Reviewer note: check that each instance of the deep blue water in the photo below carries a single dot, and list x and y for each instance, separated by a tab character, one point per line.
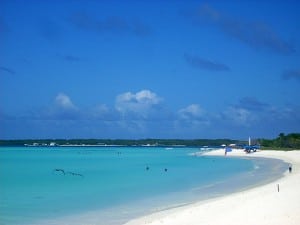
39	183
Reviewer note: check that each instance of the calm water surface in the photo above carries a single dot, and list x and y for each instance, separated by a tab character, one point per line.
43	185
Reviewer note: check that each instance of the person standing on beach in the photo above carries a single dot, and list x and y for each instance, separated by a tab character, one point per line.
290	168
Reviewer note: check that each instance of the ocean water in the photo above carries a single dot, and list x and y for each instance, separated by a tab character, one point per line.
110	185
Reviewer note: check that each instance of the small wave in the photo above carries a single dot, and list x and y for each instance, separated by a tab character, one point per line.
256	167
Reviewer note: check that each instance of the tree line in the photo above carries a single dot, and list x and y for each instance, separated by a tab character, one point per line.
289	141
120	142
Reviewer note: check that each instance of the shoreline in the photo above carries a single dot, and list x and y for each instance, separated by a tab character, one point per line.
276	202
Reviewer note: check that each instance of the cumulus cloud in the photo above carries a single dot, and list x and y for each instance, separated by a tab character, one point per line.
291	74
246	112
193	111
63	101
62	109
142	103
251	116
102	109
256	34
238	116
113	24
134	116
104	113
192	116
205	64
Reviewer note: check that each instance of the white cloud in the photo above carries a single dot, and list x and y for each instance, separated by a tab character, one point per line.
62	109
239	116
193	118
143	115
101	109
63	101
141	103
193	111
102	112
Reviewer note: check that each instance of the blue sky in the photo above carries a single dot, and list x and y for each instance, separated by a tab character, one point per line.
149	69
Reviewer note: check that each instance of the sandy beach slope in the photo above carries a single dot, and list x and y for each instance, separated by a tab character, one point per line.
263	205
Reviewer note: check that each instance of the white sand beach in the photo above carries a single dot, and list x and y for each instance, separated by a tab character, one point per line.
263	205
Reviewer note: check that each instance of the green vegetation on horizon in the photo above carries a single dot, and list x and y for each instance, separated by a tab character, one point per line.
123	142
283	142
290	141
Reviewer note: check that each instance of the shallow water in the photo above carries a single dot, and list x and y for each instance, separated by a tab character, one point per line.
49	185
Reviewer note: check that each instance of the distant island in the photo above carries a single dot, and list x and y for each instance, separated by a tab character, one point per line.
120	142
289	141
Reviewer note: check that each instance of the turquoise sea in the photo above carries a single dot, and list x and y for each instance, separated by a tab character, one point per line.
110	185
